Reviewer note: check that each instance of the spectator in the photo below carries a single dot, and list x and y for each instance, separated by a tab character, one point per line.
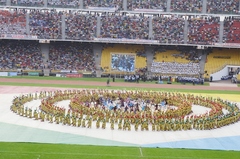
13	22
45	24
231	32
129	27
20	55
203	30
168	29
147	4
71	56
81	26
28	3
106	3
223	6
192	6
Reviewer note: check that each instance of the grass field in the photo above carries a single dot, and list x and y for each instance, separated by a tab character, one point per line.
64	151
11	150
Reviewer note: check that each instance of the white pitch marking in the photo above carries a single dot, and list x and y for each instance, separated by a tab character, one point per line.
140	149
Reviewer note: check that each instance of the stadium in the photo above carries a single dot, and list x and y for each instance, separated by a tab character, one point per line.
120	78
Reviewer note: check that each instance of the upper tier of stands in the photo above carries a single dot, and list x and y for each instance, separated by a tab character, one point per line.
166	29
12	22
203	30
186	6
231	32
121	26
50	24
169	29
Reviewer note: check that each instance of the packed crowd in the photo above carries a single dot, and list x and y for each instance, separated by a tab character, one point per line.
20	55
124	26
168	29
28	3
13	22
192	6
71	56
174	68
223	6
106	3
231	32
26	55
203	30
80	26
146	4
186	5
46	24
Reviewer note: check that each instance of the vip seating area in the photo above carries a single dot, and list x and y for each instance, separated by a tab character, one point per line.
219	58
189	6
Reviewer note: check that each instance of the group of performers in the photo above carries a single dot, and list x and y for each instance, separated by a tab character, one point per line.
127	110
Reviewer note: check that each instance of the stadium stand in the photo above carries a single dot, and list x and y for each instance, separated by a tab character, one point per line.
80	26
146	4
45	24
71	56
179	6
203	30
192	6
12	22
190	29
231	33
24	55
218	59
168	29
106	3
28	3
130	27
223	6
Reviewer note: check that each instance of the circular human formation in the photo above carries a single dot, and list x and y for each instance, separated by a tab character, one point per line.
127	110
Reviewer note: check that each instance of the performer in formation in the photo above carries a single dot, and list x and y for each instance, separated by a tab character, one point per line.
128	110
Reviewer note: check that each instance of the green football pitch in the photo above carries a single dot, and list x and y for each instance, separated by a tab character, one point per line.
64	151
